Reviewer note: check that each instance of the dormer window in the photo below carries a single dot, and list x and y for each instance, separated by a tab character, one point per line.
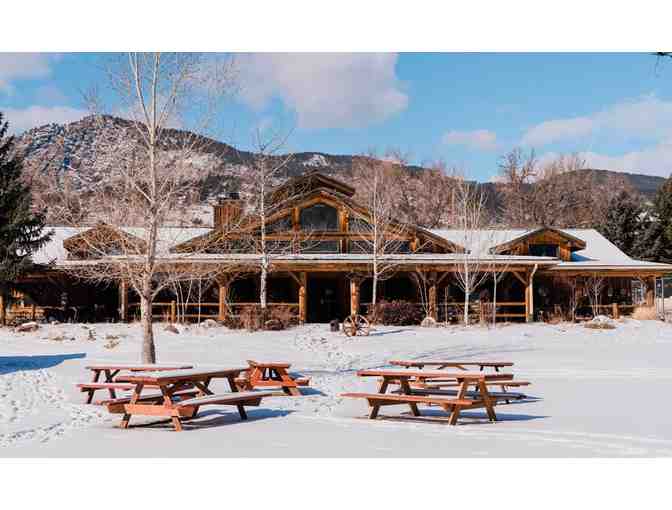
544	250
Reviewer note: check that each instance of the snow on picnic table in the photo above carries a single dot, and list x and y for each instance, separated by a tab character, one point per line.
599	393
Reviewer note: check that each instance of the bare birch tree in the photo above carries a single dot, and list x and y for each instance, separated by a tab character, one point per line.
267	169
150	170
471	221
377	230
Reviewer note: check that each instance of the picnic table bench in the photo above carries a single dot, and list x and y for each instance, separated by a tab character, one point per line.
111	370
270	375
182	393
406	395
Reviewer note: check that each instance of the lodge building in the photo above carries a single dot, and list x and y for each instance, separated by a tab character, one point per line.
320	265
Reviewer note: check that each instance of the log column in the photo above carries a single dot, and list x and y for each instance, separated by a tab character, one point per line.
303	297
650	290
3	317
355	284
123	300
223	294
529	296
431	296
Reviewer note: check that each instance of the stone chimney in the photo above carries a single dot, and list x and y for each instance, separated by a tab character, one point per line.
228	211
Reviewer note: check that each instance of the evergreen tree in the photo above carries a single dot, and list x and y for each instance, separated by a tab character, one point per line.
625	224
21	229
657	243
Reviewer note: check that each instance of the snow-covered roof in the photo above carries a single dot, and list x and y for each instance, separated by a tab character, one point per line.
54	251
599	252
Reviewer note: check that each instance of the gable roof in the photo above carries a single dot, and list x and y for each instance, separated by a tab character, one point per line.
575	243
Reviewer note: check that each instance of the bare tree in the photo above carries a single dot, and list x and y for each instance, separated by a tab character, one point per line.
516	171
150	171
594	286
377	229
470	220
498	267
267	169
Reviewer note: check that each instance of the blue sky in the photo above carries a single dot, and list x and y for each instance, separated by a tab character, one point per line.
467	109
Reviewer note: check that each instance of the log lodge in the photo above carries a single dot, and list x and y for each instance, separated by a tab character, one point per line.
321	267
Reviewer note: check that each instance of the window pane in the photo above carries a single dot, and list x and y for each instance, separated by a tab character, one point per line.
320	246
319	217
544	250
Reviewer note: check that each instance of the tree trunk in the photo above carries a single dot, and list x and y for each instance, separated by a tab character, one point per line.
466	307
148	348
262	284
494	300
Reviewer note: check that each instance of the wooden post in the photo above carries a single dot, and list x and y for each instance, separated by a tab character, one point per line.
529	296
173	311
123	300
354	295
303	296
431	296
650	290
33	313
3	317
614	310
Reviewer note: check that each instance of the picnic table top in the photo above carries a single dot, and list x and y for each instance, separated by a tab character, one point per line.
421	363
432	374
138	367
268	364
170	376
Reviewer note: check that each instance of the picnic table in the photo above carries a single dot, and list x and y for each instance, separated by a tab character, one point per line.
270	375
461	365
111	370
440	365
406	395
181	394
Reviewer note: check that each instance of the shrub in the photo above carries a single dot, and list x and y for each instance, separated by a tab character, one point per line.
396	313
286	316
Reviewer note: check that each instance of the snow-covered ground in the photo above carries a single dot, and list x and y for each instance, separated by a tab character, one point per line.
600	393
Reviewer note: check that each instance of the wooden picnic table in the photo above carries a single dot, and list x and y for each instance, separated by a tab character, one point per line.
440	364
182	393
111	370
407	395
262	374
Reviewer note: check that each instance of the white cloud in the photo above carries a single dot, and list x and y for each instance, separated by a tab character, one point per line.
479	139
647	117
19	66
23	119
325	90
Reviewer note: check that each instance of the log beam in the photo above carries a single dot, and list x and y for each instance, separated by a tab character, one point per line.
650	290
3	316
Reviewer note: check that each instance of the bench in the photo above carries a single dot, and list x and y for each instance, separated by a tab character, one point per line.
116	405
92	387
451	405
239	399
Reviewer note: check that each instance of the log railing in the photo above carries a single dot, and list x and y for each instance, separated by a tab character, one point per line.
174	311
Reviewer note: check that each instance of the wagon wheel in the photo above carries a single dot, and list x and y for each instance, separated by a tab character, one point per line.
354	325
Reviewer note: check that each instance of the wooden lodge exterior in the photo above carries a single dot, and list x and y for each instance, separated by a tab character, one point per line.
320	267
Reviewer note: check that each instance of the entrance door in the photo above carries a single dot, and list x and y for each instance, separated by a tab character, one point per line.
325	298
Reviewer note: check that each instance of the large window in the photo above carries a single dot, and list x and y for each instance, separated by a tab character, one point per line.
544	250
283	224
319	217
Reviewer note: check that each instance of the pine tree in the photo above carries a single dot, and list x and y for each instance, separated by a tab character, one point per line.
625	223
657	243
21	229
